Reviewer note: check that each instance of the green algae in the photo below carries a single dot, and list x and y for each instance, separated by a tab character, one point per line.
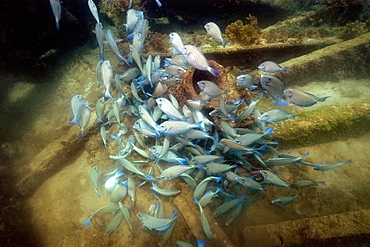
325	124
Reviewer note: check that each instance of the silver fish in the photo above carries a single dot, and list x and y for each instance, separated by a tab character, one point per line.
204	222
250	138
100	37
285	200
113	45
76	104
274	87
201	187
176	42
57	10
331	166
210	88
93	9
94	179
85	117
197	59
177	127
164	192
246	81
169	109
208	196
214	31
271	67
302	98
138	42
136	57
129	74
126	213
275	115
174	172
107	75
131	19
273	179
103	134
306	183
159	224
119	192
114	223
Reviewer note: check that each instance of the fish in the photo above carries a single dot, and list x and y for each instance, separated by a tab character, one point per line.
214	31
275	115
169	109
210	88
285	200
94	179
149	69
176	42
85	117
57	11
94	10
76	105
204	222
201	187
246	82
280	161
100	38
126	213
202	159
164	192
119	192
132	18
129	74
271	67
249	183
197	59
104	210
223	208
208	196
175	70
249	110
324	168
113	45
158	3
131	188
155	223
274	87
302	98
136	56
107	75
177	127
306	183
138	42
273	179
174	171
111	182
114	223
103	134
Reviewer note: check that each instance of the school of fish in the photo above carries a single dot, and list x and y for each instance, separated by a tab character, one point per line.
235	164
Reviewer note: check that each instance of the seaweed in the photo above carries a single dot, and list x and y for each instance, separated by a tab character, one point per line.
247	34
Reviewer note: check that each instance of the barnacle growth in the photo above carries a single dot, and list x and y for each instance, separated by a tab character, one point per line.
247	34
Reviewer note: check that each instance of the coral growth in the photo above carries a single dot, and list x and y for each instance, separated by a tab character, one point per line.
157	43
247	34
352	30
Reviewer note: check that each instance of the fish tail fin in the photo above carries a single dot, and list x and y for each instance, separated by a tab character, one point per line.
107	94
305	155
348	161
322	99
291	117
101	56
281	102
73	121
181	160
214	138
285	69
81	133
260	95
224	42
201	243
158	3
196	201
130	36
253	87
212	71
269	131
57	25
218	179
87	222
